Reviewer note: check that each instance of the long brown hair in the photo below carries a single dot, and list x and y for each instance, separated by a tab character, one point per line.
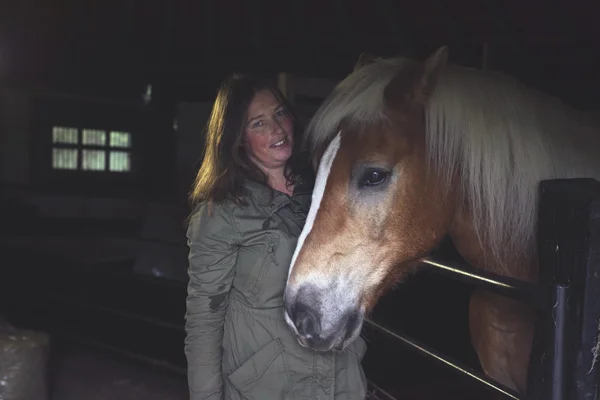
226	164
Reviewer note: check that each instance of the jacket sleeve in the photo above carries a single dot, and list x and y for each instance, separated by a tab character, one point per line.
212	257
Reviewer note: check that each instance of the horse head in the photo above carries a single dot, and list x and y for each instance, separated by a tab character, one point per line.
377	208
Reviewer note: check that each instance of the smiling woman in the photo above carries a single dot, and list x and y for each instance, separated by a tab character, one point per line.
251	198
268	137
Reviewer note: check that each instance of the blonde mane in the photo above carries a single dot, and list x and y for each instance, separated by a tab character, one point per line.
501	136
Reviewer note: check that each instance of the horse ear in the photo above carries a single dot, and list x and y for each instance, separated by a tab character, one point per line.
417	84
364	59
430	73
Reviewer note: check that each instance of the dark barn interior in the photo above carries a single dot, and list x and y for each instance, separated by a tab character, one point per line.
94	259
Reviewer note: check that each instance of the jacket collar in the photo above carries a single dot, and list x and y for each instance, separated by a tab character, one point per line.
273	200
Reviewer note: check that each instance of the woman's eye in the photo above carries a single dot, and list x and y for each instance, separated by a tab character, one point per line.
257	124
280	113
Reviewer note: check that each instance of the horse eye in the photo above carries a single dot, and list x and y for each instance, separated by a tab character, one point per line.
373	177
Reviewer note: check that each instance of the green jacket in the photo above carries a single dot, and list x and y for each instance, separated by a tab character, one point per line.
238	345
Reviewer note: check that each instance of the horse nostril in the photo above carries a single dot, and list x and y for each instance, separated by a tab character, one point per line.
307	322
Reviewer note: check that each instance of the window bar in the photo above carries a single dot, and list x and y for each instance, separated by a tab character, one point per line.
79	149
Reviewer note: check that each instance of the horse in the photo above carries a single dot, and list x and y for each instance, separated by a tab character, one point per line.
408	153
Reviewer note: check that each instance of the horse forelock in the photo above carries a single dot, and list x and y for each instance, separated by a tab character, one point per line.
355	103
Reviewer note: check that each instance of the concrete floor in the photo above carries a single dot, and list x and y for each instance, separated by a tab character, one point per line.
82	373
79	372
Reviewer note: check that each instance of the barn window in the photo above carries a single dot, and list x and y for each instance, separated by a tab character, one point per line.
90	149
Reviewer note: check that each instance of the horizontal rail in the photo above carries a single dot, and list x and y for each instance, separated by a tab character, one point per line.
538	295
375	392
447	361
87	340
79	303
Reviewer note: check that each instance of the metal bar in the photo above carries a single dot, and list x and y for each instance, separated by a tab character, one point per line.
86	340
559	388
456	366
538	295
80	303
376	392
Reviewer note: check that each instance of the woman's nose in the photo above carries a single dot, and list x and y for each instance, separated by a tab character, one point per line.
276	127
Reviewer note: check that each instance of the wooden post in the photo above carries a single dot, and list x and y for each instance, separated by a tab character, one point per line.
285	84
563	362
485	56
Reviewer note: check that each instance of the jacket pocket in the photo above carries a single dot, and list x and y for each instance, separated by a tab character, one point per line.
264	375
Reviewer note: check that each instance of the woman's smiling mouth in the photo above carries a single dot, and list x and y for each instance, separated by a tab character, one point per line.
280	143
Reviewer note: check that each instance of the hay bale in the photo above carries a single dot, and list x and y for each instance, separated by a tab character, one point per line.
23	358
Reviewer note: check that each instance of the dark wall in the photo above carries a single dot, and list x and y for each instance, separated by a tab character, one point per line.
153	146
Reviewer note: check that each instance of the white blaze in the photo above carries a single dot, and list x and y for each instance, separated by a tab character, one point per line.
320	183
336	299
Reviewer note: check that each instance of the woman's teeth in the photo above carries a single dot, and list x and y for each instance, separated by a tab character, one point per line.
280	143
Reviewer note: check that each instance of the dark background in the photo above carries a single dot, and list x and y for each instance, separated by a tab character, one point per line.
185	47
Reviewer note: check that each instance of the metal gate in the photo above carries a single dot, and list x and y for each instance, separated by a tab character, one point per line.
567	297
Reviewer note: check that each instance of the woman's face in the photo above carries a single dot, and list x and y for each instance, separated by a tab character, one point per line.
268	135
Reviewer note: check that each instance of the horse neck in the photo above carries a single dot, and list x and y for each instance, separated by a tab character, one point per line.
479	256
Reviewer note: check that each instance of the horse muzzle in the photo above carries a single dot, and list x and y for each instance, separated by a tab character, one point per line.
319	322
